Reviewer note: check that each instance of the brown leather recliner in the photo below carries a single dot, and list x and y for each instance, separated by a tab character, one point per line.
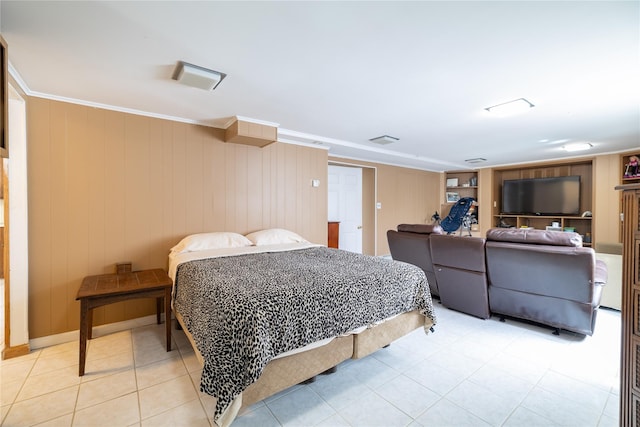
410	244
460	269
544	276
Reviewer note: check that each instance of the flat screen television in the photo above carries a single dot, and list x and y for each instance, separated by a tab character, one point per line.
542	196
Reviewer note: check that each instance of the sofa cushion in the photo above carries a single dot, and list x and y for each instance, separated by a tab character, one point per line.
420	228
537	237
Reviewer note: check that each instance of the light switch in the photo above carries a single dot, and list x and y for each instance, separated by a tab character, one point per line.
378	205
315	183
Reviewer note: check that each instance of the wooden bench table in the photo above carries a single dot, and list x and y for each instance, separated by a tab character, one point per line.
103	289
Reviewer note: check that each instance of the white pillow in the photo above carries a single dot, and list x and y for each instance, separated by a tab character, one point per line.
274	236
215	240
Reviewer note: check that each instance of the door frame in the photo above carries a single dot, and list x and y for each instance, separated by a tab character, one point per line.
369	211
16	303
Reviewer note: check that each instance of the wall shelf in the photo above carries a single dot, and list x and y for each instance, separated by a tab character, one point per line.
464	184
461	183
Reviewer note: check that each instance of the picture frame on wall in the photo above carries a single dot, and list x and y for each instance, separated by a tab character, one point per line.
452	197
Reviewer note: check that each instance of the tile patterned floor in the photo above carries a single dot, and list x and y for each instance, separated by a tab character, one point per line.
470	372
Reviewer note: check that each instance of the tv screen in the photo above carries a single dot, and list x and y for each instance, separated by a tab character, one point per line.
542	196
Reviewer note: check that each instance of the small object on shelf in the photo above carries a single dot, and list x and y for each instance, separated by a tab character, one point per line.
632	169
587	238
569	229
452	197
452	182
123	268
504	224
552	228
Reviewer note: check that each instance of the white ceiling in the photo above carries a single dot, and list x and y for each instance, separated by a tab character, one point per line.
340	73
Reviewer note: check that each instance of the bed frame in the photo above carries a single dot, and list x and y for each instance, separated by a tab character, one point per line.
284	372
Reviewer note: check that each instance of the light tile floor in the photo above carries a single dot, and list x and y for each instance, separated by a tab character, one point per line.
469	372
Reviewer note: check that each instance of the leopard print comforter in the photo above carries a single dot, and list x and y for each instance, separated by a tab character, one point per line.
244	310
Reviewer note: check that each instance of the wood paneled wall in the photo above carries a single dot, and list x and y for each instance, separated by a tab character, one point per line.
607	174
408	196
106	187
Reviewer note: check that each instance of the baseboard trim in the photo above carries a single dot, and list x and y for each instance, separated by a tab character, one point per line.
11	352
98	331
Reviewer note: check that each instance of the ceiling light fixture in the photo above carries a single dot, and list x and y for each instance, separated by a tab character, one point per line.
384	139
198	77
577	146
509	108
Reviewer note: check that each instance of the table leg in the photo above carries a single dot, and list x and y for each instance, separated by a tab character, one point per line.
90	324
158	309
167	316
84	331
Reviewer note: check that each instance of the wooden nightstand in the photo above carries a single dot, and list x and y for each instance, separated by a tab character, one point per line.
103	289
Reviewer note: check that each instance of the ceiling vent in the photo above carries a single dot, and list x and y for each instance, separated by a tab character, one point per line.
384	139
476	160
198	77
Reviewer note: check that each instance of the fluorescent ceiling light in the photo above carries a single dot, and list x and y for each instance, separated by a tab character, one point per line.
512	107
577	146
384	139
198	77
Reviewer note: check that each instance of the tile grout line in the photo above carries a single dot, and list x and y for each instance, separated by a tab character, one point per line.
135	375
193	383
23	382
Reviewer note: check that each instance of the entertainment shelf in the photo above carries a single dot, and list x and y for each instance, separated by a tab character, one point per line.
581	224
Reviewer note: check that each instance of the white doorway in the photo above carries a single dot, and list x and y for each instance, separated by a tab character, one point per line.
345	205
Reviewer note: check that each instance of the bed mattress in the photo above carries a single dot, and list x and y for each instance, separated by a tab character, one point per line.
244	310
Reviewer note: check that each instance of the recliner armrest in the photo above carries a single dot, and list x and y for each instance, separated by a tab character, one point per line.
601	274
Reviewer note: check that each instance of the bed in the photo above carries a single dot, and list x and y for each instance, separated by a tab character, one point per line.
269	310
